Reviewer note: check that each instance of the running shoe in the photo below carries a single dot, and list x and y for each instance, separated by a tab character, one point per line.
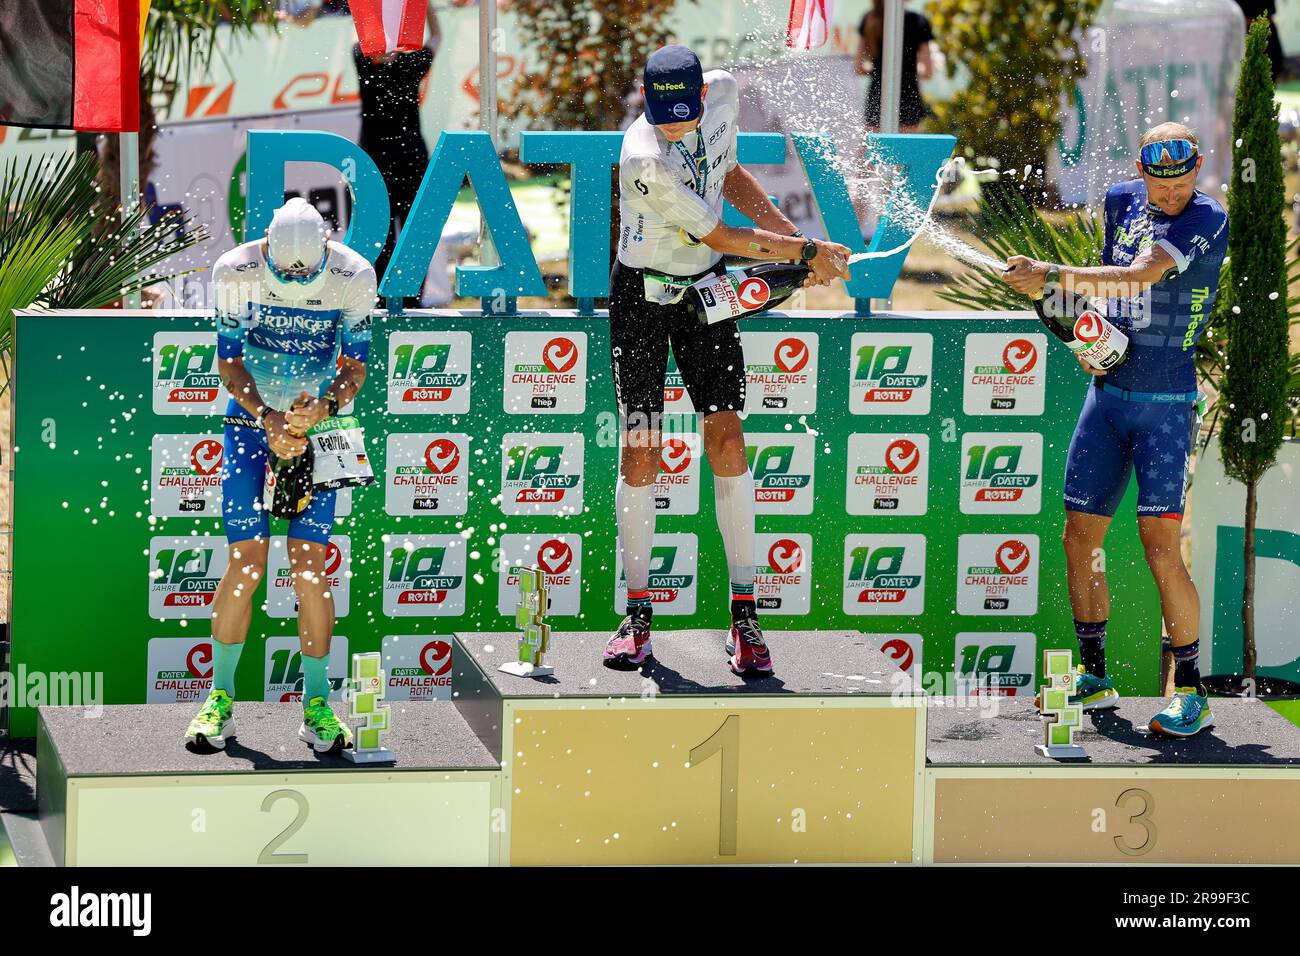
322	728
746	648
1187	714
215	723
1090	692
630	644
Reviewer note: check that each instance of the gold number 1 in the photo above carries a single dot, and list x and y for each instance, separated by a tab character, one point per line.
726	741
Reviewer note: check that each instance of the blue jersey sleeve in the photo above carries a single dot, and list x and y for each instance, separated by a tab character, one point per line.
354	331
1200	231
1111	209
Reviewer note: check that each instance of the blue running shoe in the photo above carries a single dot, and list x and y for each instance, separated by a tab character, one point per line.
1091	692
1187	714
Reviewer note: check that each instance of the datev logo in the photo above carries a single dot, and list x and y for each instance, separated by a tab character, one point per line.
1001	664
890	374
787	384
183	576
783	472
545	373
783	581
187	475
185	376
423	672
541	473
180	669
884	574
429	372
282	665
424	575
1002	473
674	558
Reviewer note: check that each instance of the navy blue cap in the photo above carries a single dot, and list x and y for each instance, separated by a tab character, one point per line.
673	79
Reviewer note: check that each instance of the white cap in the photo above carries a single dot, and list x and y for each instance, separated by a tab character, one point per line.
296	239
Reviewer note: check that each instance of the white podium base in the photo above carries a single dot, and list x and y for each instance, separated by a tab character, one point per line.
524	669
382	755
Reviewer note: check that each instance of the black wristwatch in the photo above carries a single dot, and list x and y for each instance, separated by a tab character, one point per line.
809	251
333	404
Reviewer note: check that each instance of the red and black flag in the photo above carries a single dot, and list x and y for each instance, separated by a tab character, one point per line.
71	64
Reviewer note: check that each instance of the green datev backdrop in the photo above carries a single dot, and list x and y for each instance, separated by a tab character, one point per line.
895	460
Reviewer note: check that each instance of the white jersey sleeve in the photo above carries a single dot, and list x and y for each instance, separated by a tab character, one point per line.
651	188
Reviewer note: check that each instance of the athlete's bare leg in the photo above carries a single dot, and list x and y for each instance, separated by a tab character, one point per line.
232	606
1085	565
315	602
1179	601
724	443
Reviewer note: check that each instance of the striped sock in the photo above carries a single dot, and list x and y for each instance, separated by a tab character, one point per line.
638	603
1187	665
742	599
1092	646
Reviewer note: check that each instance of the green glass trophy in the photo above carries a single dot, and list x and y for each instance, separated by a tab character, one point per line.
1060	718
530	617
364	694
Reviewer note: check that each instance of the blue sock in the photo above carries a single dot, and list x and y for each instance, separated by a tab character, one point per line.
1187	666
315	678
225	658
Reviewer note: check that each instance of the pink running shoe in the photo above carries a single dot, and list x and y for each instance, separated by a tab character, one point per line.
630	644
748	650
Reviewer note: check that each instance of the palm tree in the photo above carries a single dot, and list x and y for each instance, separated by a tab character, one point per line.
58	252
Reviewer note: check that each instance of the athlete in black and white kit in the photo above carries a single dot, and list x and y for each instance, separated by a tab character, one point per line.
678	164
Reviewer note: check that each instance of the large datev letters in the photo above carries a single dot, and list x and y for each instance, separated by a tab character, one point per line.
590	155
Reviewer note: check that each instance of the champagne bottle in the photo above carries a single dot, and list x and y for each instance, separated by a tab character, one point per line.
748	291
289	482
1084	330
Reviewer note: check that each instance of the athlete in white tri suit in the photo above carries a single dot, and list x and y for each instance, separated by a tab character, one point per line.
677	165
293	336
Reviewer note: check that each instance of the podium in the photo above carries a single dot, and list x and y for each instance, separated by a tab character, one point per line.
837	758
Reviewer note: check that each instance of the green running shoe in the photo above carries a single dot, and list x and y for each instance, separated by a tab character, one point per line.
1187	714
215	723
322	729
1090	692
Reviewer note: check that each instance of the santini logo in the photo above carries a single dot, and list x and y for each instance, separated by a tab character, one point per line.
74	909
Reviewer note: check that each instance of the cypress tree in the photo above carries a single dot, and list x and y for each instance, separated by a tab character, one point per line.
1254	391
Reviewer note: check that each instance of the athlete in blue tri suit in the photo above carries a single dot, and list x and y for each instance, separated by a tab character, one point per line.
293	336
1164	244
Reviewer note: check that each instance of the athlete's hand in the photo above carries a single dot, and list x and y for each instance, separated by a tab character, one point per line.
1088	368
1026	275
830	263
282	441
306	413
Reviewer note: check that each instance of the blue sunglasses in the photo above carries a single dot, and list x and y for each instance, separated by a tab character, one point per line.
1153	154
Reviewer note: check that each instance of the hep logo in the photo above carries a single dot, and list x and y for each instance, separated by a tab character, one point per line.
785	556
1012	556
199	660
560	354
333	559
555	557
899	650
442	456
674	456
206	456
1019	356
435	658
902	456
1088	328
791	355
753	293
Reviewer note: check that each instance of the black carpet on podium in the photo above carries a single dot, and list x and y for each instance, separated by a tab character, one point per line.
149	738
1245	733
692	662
